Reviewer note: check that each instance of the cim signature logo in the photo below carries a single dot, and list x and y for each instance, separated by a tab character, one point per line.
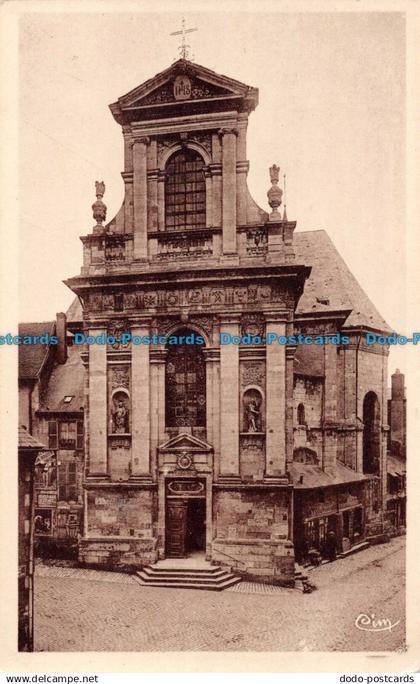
371	623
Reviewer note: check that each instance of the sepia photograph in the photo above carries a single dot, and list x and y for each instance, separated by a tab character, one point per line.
213	331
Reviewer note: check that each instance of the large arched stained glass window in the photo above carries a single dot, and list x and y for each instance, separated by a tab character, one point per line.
185	384
185	191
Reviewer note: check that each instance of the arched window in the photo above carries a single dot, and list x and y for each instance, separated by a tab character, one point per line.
185	191
301	415
371	434
185	384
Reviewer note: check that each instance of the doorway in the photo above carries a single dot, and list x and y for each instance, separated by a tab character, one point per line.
185	527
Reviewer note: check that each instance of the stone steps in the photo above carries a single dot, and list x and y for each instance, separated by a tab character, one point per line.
210	578
354	549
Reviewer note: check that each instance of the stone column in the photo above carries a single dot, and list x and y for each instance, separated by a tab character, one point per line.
229	402
209	197
242	168
229	189
290	355
140	197
161	200
140	403
275	402
98	407
158	395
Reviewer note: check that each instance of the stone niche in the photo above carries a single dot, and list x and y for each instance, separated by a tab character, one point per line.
252	530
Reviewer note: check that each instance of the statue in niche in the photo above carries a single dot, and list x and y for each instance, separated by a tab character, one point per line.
120	414
253	416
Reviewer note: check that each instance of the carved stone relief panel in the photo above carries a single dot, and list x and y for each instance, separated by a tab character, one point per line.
252	373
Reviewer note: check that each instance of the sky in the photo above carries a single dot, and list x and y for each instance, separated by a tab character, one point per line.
331	113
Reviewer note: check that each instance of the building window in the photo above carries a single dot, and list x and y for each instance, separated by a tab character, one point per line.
52	434
301	414
185	385
371	434
185	191
67	489
67	435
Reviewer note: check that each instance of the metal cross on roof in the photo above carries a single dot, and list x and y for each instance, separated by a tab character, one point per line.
183	48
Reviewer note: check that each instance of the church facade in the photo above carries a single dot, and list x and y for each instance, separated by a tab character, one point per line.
245	452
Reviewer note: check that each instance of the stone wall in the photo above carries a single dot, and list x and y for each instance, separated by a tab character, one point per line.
251	534
121	528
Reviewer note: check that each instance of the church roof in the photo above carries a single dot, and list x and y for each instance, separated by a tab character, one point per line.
74	313
33	356
331	285
65	390
314	477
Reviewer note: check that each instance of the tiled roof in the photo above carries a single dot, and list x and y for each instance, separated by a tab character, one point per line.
33	356
331	285
74	313
309	361
26	441
314	477
66	380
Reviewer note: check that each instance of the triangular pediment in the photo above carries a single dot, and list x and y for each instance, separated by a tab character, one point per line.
181	83
185	442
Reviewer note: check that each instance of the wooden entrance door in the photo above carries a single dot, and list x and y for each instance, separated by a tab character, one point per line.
176	528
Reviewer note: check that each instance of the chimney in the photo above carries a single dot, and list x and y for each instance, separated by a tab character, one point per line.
397	385
61	331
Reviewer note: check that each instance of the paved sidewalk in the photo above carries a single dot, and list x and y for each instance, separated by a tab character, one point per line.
88	610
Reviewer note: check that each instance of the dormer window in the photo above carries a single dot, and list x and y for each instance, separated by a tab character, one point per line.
185	191
68	398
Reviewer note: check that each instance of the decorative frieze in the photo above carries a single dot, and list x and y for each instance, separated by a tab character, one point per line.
223	295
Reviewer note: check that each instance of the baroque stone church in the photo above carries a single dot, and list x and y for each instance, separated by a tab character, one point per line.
249	454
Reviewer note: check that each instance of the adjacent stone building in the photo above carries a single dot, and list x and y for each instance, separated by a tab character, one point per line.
51	405
243	452
28	449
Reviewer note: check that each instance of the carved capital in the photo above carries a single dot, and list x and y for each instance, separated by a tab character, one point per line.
144	140
227	131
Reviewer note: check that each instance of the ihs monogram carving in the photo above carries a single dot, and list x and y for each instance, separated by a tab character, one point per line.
252	373
198	89
120	377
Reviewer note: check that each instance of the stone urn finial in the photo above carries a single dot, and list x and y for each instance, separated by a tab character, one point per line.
98	207
275	193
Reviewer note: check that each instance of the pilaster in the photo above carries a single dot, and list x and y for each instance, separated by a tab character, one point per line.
229	401
276	401
228	136
98	433
140	403
140	197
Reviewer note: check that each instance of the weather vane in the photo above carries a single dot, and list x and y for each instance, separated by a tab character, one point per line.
184	47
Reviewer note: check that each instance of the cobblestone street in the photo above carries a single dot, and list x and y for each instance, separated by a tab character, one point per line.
87	610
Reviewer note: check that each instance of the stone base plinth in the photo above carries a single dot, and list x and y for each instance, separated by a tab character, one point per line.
117	553
268	562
